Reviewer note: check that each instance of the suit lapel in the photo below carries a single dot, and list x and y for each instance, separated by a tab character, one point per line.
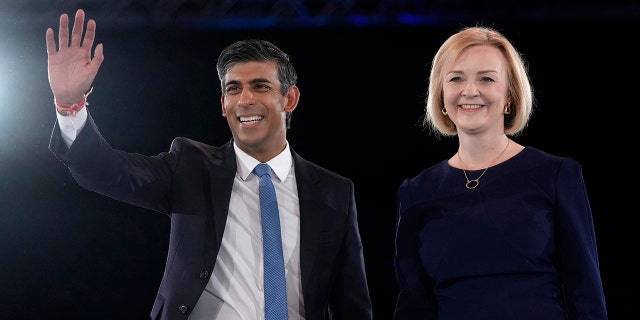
222	175
310	217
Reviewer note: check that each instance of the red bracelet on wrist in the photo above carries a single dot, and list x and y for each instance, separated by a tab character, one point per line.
72	109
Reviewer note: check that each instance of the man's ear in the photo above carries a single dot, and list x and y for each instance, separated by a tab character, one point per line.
224	109
293	97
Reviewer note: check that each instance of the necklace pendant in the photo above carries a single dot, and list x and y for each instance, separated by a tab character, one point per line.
472	184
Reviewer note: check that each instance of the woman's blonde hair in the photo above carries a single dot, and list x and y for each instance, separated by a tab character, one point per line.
519	89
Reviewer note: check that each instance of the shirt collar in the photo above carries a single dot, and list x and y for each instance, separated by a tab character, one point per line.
280	164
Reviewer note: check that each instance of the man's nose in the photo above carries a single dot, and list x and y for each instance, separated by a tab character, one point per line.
246	98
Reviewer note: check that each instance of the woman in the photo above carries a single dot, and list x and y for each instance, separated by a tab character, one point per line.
498	230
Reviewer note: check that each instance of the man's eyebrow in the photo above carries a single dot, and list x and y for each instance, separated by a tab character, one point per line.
259	80
253	81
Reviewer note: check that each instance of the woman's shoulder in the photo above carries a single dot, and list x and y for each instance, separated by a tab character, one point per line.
535	155
541	164
428	184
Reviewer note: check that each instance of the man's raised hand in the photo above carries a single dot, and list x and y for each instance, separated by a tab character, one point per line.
70	65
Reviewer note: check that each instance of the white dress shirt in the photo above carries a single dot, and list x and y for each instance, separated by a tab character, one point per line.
235	290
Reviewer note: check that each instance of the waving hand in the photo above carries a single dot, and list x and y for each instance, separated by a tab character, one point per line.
70	65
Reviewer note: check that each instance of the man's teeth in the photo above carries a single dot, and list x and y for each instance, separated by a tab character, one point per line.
250	119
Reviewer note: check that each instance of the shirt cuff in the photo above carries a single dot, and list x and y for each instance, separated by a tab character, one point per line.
71	126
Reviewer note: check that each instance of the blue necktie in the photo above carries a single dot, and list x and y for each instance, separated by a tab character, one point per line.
275	287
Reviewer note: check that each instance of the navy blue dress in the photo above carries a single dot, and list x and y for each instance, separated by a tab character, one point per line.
519	246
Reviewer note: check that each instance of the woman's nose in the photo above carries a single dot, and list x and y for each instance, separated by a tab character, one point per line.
470	89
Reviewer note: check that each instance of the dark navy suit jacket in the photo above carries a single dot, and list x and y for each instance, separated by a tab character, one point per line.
192	184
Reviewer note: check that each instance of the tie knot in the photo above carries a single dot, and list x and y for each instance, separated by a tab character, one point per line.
262	169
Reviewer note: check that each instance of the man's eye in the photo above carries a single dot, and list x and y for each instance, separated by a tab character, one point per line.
232	89
261	87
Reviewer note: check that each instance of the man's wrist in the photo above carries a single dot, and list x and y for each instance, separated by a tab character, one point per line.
72	109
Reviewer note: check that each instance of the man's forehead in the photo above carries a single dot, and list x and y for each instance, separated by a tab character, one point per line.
254	67
252	72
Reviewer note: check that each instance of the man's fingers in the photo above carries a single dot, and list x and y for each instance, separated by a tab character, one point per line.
78	26
63	31
51	44
76	36
98	57
90	34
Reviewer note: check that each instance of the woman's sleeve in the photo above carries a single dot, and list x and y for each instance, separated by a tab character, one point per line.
577	250
416	299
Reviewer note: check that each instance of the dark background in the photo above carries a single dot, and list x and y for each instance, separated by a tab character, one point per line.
68	253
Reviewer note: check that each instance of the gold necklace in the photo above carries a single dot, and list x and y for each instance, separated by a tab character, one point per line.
472	184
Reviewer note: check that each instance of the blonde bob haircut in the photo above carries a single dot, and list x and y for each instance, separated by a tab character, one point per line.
519	89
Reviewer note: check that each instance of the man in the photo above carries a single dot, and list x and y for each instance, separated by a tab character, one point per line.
214	267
